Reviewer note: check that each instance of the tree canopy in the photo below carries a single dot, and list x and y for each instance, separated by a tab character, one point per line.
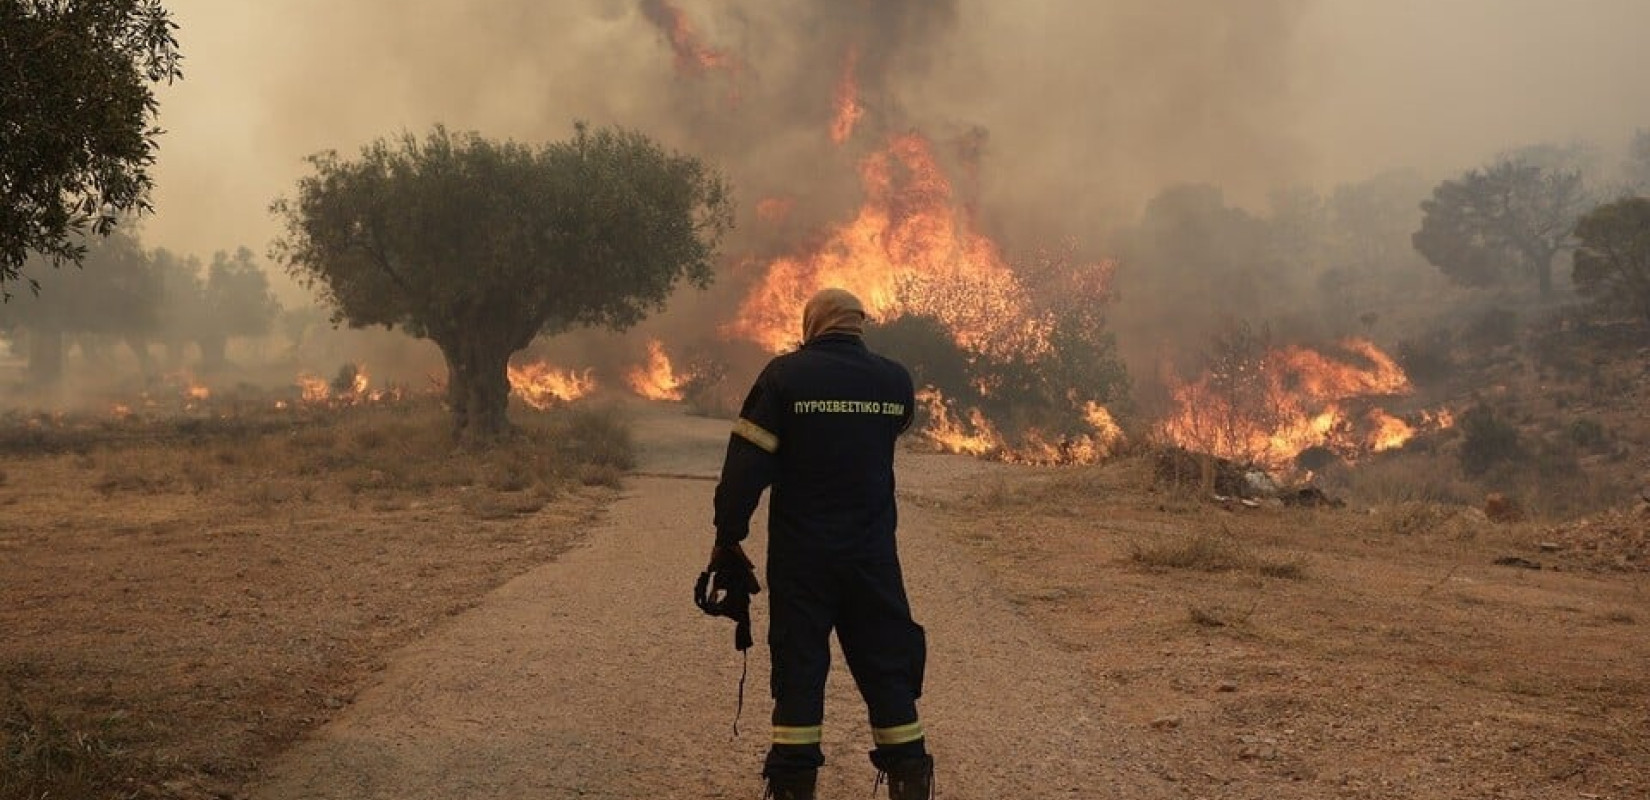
481	246
1505	222
117	293
1612	259
77	113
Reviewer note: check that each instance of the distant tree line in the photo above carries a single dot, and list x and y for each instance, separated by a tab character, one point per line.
125	294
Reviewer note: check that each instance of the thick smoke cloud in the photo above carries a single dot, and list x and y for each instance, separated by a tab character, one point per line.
1060	119
1081	108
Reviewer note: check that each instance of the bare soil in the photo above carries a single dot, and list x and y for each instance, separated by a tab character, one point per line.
1092	635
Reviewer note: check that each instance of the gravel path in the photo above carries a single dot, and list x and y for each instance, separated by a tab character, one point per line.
595	676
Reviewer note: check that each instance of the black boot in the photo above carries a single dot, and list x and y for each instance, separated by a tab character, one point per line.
911	778
791	785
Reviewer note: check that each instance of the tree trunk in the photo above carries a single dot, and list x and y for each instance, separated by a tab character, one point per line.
140	350
212	353
478	391
1543	259
45	356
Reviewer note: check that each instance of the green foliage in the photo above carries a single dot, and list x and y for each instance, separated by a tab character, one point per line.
1486	441
237	295
1503	222
1612	261
926	348
117	291
77	114
480	246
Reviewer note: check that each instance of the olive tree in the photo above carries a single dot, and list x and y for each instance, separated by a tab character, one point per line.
1507	221
1612	259
118	293
480	246
77	113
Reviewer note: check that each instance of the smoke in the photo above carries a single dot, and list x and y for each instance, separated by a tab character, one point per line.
1059	120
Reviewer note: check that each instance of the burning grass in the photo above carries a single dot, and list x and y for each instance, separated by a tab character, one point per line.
184	596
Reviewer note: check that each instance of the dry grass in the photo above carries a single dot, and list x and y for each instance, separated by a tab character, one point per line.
1406	660
303	547
1211	552
42	756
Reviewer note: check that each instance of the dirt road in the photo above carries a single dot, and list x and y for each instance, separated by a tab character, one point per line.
596	677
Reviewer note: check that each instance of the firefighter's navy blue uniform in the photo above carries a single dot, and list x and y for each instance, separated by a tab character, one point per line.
819	426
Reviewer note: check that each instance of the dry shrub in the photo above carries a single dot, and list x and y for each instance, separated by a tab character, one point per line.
1206	617
1206	552
592	435
1201	553
1403	478
199	475
604	475
486	505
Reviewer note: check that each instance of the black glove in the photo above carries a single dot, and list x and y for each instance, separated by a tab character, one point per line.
724	589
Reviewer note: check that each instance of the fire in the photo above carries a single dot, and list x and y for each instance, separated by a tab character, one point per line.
656	380
542	386
190	389
313	390
973	437
973	434
1388	432
693	56
353	386
1293	399
848	109
909	250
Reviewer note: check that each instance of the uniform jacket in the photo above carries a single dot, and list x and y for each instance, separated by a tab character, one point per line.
819	426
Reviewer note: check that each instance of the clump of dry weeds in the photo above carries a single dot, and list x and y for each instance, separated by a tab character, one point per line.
44	756
1209	552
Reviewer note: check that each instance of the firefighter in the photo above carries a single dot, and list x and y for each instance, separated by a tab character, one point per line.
819	427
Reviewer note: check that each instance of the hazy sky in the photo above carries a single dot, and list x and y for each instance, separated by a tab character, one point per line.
1090	106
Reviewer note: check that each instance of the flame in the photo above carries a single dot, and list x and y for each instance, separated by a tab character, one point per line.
910	250
1388	432
973	434
848	109
313	390
973	437
190	389
1294	399
120	411
656	380
317	391
542	386
693	56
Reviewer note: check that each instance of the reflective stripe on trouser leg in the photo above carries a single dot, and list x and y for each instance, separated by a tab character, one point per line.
898	734
792	734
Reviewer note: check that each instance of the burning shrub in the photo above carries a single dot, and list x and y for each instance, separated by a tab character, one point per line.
1487	440
925	346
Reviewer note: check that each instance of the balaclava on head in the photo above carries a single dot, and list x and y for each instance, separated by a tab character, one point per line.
832	311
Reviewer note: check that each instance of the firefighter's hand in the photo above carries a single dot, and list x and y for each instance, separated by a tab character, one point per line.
729	557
